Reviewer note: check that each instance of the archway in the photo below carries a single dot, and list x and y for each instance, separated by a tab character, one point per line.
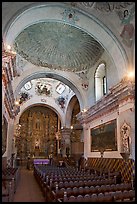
48	74
37	135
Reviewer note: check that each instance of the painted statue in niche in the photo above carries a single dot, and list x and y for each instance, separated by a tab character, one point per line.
125	137
38	120
127	33
37	144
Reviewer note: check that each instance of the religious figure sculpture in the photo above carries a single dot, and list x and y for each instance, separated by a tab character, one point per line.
37	144
125	133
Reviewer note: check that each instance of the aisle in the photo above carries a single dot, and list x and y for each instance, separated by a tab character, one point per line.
28	190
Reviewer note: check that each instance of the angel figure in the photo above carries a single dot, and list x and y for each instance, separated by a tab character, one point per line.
128	29
84	80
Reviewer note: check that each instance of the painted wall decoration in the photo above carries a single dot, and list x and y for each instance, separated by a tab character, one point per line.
61	101
106	6
4	135
85	81
114	165
24	96
104	137
43	88
127	33
69	15
125	137
9	100
20	62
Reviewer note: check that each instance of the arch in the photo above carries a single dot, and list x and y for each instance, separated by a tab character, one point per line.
40	117
31	103
69	111
98	30
53	75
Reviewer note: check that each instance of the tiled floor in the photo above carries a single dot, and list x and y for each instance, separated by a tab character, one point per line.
28	190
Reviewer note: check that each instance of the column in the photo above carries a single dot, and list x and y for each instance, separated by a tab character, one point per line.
3	92
65	141
10	138
133	134
87	140
58	137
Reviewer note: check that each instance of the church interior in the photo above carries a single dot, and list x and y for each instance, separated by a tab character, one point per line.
68	101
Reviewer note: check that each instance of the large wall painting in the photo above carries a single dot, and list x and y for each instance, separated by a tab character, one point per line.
104	137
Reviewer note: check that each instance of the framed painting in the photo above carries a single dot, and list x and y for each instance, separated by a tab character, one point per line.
104	137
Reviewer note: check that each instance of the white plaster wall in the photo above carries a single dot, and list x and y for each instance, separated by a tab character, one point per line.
101	120
5	114
10	135
86	139
4	110
111	73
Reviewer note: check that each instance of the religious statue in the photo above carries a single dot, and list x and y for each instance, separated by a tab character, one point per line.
37	144
125	134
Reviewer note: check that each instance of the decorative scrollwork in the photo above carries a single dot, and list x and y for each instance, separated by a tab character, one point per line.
106	6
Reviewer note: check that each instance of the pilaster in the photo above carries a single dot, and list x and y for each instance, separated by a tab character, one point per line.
65	143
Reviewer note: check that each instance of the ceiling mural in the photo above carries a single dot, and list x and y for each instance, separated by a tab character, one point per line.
24	96
128	30
58	46
69	15
106	6
43	88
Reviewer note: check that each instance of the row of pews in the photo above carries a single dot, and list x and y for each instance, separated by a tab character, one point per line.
70	185
10	179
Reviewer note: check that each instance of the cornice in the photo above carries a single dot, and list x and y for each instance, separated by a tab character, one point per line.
119	94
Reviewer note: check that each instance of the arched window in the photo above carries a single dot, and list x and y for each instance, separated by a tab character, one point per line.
100	81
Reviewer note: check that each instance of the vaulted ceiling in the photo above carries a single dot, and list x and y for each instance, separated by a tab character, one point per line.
58	44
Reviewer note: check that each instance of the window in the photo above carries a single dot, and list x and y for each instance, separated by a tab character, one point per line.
60	88
104	86
28	85
100	81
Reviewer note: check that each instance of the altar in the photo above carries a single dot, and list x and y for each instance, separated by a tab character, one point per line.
41	161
